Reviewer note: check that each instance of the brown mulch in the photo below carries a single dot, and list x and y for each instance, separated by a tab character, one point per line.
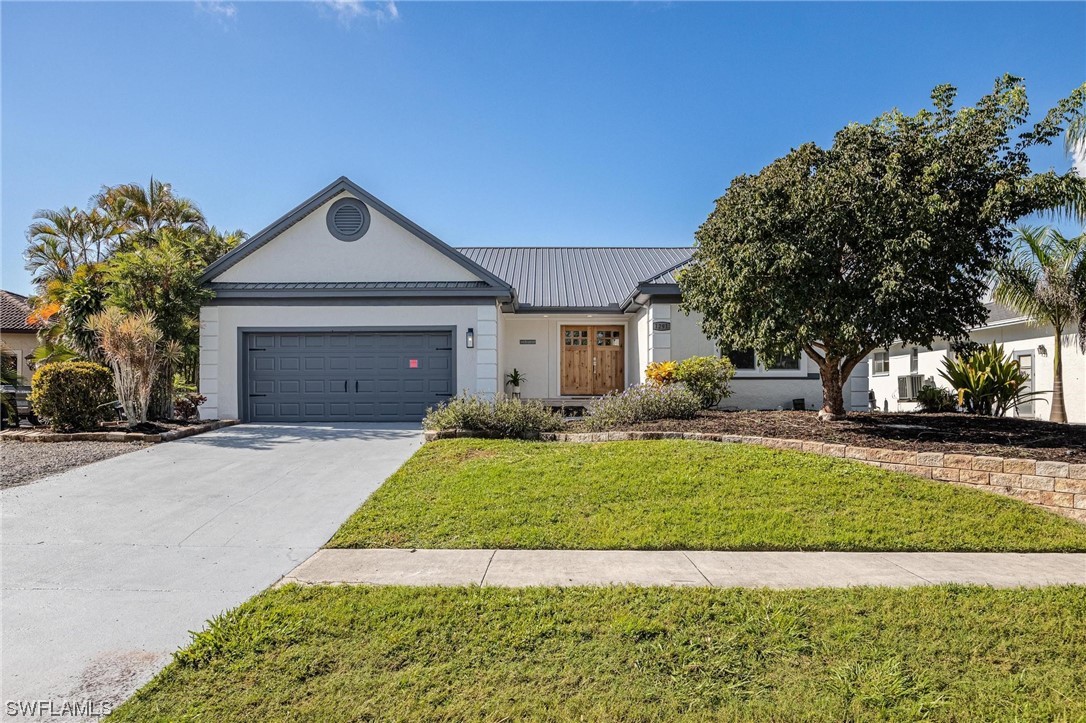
962	433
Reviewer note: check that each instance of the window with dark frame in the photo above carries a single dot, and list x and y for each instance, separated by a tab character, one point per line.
790	363
914	361
741	358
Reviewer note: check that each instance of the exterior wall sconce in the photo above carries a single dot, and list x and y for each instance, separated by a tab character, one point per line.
471	338
1042	350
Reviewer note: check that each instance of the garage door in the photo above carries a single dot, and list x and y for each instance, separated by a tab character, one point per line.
391	376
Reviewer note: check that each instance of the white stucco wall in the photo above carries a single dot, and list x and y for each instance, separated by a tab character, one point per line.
476	369
21	345
540	362
760	388
308	252
1016	338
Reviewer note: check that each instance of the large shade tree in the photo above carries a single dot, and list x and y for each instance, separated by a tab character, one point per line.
1045	278
890	234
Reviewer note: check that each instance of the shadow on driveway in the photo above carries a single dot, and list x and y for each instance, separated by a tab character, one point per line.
269	436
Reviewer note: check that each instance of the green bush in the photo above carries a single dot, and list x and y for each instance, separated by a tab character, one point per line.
502	416
988	382
71	394
707	377
643	403
936	399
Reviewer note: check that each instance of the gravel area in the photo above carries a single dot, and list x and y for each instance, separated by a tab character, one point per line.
963	433
23	462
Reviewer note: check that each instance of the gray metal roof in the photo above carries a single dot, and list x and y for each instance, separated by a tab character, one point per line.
574	277
998	312
346	285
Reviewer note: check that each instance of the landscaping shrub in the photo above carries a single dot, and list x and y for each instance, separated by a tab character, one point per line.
502	416
72	394
186	406
988	382
936	399
707	377
642	403
661	372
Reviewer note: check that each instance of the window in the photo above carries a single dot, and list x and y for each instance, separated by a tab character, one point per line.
880	363
785	362
914	361
742	359
608	337
10	362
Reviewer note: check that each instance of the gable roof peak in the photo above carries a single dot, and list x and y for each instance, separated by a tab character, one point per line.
317	200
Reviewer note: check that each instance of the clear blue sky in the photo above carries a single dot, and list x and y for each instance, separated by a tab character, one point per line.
550	124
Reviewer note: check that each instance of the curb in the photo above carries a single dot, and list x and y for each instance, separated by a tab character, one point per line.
118	436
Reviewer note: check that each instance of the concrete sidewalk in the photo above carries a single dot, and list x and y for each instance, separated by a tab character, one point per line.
524	568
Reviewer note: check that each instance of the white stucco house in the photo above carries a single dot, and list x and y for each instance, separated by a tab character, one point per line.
896	373
345	310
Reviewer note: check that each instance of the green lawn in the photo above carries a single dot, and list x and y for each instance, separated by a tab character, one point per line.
632	654
673	494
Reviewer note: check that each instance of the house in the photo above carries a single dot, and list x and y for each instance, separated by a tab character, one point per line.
345	310
18	337
897	373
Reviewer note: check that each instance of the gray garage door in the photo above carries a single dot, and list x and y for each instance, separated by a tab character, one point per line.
346	376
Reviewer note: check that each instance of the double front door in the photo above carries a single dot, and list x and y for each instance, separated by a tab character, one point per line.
593	360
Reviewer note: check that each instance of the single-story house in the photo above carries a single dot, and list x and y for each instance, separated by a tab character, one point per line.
18	337
897	373
345	310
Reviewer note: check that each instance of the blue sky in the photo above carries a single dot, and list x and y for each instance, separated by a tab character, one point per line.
486	123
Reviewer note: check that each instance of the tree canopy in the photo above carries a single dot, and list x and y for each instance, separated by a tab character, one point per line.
888	235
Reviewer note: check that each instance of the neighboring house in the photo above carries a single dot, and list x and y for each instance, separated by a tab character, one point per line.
345	310
18	338
897	373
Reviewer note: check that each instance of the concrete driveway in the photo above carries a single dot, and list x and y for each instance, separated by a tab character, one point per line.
107	567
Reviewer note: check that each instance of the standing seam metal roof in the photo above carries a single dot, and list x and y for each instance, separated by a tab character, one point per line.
575	277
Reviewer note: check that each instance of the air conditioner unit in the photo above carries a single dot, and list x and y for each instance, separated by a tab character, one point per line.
909	386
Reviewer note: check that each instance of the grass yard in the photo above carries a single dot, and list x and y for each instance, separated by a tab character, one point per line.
634	654
673	494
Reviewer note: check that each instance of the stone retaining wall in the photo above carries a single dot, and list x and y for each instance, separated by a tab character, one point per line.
119	436
1059	487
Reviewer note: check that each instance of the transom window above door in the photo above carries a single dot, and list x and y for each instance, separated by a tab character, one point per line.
576	337
605	337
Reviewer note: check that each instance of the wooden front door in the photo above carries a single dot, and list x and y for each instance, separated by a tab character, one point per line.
593	360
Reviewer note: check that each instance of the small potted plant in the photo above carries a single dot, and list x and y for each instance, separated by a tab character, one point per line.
514	379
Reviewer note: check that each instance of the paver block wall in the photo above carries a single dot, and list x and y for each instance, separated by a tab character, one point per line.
1059	487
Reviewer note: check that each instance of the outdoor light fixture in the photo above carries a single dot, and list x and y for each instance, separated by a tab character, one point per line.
471	338
1041	350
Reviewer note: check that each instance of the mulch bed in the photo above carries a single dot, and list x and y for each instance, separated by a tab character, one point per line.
152	432
961	433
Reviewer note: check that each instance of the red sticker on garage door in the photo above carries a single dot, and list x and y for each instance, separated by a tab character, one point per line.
413	363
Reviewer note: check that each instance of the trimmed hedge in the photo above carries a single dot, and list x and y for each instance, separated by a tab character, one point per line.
72	394
642	403
502	417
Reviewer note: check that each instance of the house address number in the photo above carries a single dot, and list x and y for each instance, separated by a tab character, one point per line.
661	326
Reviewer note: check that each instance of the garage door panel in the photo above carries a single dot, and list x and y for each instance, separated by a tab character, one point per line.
347	376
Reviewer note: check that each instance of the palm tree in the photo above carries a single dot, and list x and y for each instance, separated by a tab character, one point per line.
55	243
143	212
1044	278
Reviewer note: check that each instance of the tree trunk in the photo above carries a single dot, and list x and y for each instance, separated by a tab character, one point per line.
833	397
161	406
1059	410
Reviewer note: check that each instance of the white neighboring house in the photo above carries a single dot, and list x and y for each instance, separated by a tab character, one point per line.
896	373
345	310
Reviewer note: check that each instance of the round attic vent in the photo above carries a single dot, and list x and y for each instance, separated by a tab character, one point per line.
348	219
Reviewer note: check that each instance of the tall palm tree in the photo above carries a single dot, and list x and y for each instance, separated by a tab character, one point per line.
1044	278
143	212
